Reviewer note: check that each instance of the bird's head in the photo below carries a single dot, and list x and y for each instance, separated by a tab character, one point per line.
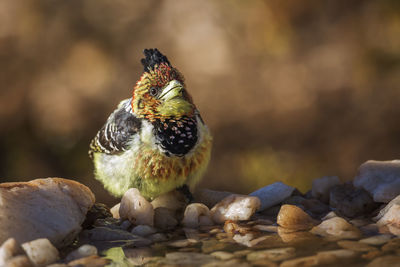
160	92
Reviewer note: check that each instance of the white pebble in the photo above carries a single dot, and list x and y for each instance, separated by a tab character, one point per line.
81	252
136	208
235	208
9	249
196	214
41	252
115	211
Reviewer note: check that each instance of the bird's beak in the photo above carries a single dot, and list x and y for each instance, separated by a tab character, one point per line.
173	90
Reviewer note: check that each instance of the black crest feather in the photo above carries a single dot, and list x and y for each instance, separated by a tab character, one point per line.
153	57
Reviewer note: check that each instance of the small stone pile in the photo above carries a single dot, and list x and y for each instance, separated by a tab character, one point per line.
355	223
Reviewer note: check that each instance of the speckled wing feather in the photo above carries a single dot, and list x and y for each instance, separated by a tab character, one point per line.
116	133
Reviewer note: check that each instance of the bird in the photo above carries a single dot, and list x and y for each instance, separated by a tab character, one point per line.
156	140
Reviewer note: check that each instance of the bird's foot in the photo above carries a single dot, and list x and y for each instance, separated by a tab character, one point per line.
184	189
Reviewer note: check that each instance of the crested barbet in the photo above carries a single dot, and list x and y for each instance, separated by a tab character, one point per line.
155	141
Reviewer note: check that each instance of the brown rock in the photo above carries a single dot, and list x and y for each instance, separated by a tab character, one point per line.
292	217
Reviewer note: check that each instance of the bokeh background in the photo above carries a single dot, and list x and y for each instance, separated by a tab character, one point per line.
292	90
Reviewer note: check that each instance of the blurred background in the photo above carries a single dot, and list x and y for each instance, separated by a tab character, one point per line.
292	90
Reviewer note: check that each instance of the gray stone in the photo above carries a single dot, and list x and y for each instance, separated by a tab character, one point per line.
195	215
143	230
272	194
380	178
321	187
350	201
107	234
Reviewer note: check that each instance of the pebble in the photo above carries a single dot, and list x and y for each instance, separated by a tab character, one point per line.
139	256
228	263
276	254
389	260
384	210
272	194
52	208
19	261
376	240
235	208
350	201
321	187
391	219
231	228
92	261
41	252
244	239
196	214
303	261
338	228
125	225
380	178
164	218
266	228
173	200
157	237
210	197
143	230
188	258
335	256
136	208
115	211
292	217
355	245
9	249
180	243
392	245
81	252
222	255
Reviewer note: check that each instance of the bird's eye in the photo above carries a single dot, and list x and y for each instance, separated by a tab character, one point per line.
153	91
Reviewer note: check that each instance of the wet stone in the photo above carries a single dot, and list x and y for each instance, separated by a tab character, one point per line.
93	261
304	261
164	218
188	258
337	228
228	263
350	201
136	208
335	256
355	245
292	217
278	254
222	255
180	243
139	256
81	252
266	228
235	208
244	239
143	230
41	252
389	260
9	249
376	240
392	245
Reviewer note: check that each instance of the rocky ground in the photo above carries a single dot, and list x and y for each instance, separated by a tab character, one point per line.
56	222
